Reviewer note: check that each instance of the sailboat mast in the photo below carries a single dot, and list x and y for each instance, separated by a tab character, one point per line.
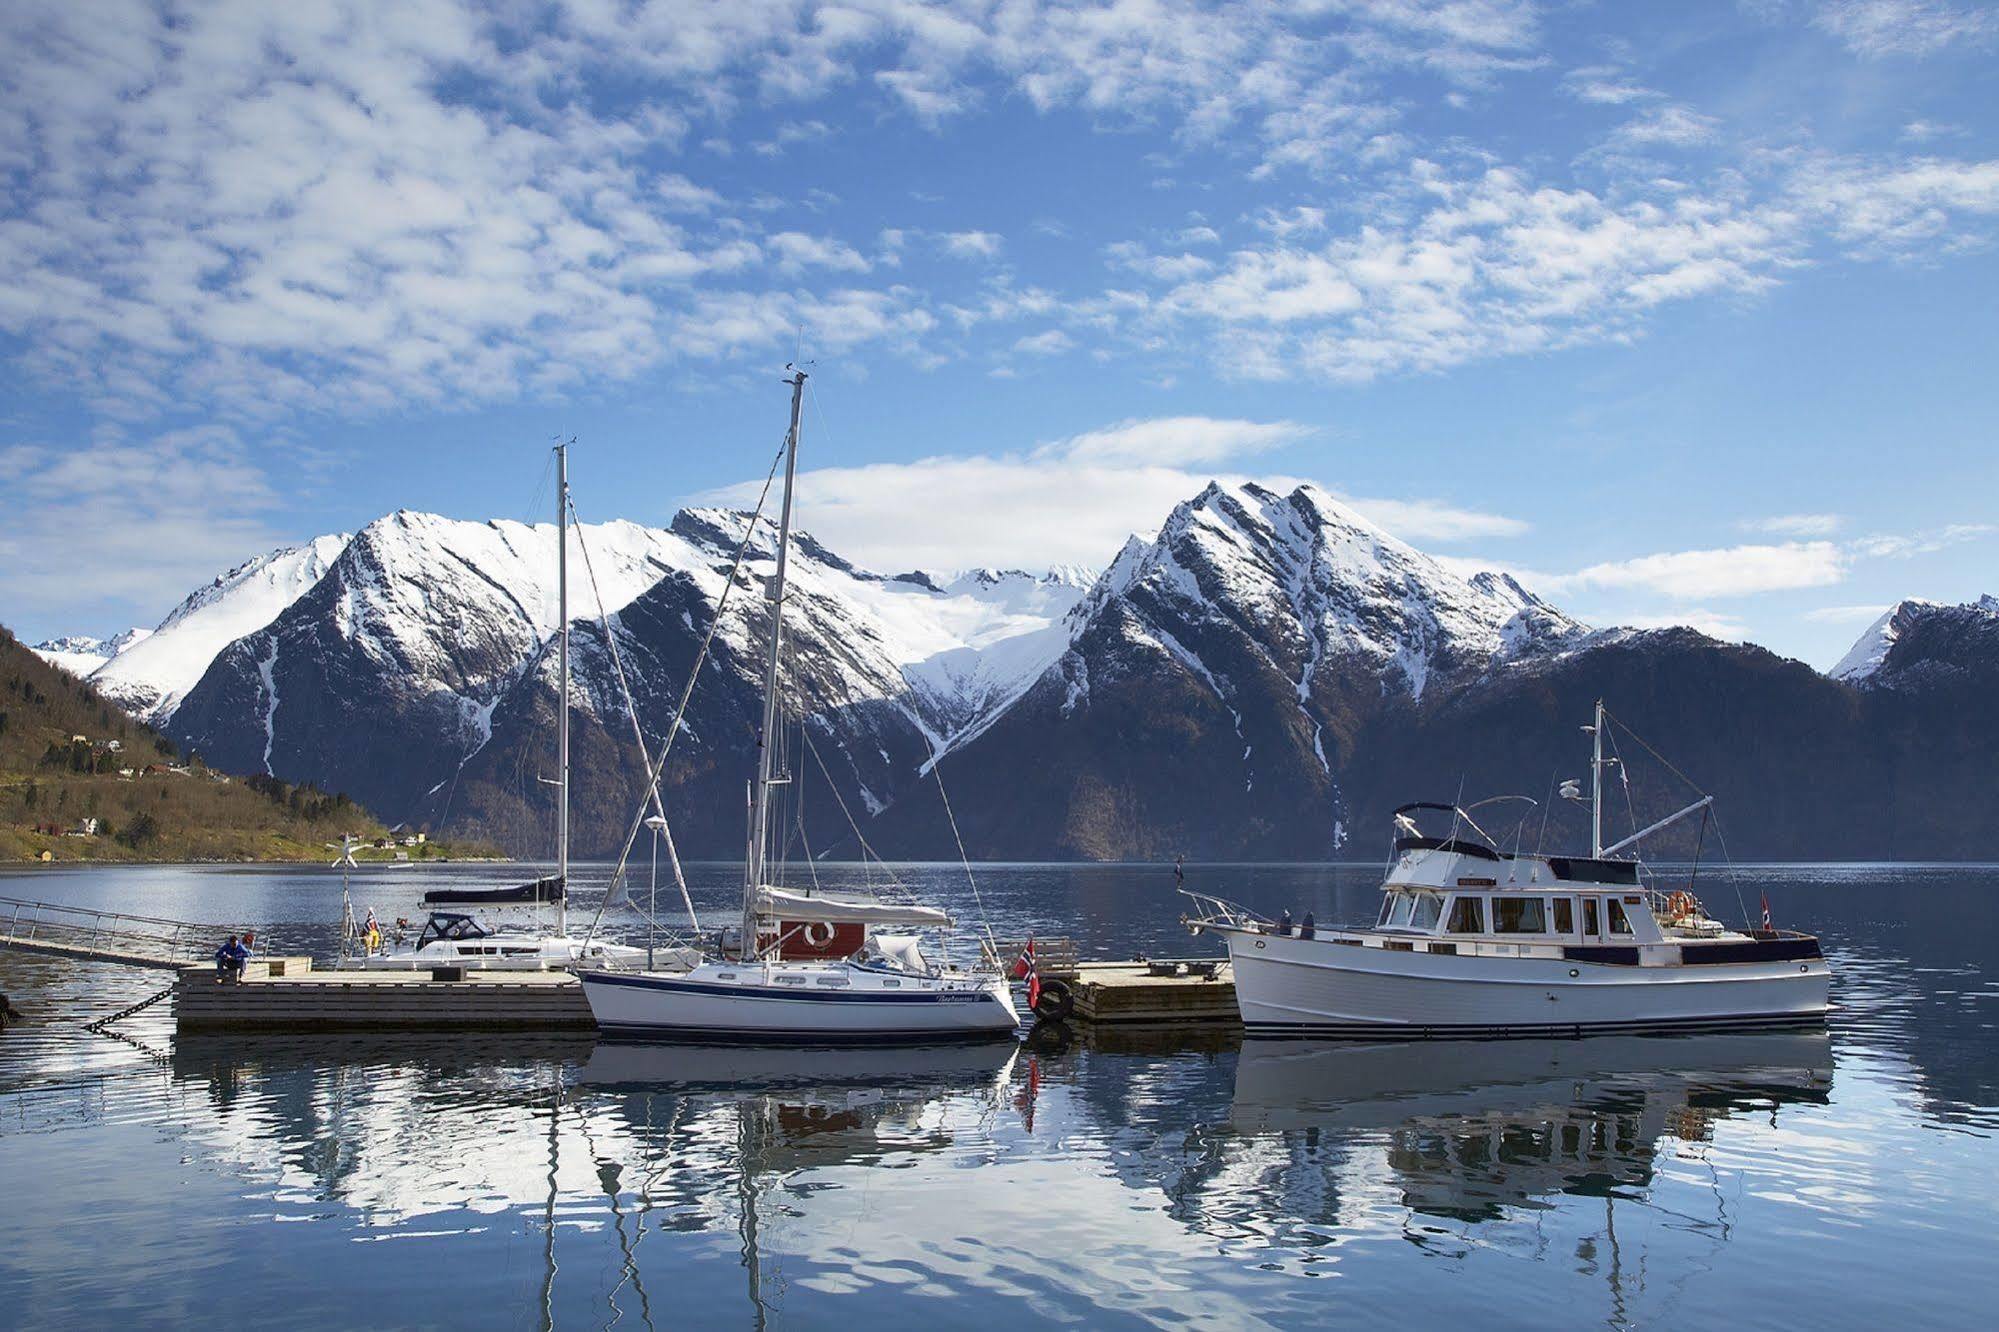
1596	785
562	697
767	745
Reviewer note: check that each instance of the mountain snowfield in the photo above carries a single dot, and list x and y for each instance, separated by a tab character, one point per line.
1875	649
81	655
1240	683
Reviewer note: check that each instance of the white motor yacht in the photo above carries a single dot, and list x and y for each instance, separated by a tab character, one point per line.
1473	940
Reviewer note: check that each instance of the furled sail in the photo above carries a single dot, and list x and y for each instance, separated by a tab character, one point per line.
551	888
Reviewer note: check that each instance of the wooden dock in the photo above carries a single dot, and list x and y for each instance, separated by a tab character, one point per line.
1128	992
303	1000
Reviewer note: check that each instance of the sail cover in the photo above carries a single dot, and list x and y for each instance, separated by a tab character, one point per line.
783	904
549	889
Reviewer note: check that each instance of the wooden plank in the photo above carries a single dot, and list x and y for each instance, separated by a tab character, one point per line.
1108	992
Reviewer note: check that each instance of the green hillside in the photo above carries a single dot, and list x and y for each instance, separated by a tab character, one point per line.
81	781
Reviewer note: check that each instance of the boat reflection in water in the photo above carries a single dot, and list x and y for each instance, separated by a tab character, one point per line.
1469	1131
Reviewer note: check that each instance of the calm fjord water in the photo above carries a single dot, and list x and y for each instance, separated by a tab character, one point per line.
1836	1179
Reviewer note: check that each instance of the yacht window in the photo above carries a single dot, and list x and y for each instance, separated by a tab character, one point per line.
1565	915
791	980
832	982
725	975
1468	915
1518	915
1388	901
1399	915
1428	908
891	985
1589	916
1619	922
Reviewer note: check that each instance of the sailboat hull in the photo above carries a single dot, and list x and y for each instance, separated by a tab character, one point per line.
837	1004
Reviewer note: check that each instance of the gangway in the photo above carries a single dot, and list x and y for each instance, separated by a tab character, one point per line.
95	935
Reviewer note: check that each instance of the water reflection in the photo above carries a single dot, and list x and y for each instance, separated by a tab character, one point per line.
1128	1177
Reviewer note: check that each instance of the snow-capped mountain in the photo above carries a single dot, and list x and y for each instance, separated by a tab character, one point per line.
80	654
427	640
1916	640
149	677
1215	676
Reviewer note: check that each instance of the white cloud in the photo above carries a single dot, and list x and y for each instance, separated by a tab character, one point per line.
1882	28
1053	342
127	524
1795	524
1071	501
1175	441
1737	571
1714	624
1672	126
1907	545
1604	85
971	244
797	251
1846	614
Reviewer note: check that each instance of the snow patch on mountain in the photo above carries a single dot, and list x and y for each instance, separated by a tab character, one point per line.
149	677
1870	652
80	654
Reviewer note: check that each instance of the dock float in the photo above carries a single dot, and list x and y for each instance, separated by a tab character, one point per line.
298	999
1137	992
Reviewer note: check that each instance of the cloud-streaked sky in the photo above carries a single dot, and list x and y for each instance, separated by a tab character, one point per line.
1683	312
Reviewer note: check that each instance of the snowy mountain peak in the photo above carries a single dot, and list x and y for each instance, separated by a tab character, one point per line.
150	676
1880	650
1306	579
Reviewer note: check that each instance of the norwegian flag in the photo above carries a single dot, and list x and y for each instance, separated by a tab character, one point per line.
1024	966
1766	912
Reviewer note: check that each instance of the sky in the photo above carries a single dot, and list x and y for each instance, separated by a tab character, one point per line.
1684	313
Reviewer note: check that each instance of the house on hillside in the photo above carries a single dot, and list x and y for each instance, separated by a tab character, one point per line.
84	828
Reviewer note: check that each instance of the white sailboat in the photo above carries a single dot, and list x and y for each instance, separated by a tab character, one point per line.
803	968
1474	940
470	938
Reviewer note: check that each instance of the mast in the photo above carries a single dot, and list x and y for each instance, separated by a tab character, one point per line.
1596	785
562	702
767	744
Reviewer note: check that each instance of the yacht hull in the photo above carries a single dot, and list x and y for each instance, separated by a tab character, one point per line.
649	1005
1287	985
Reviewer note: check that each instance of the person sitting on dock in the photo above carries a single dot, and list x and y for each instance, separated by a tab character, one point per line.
229	960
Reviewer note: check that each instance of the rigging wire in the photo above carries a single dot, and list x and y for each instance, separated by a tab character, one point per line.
694	672
632	712
936	758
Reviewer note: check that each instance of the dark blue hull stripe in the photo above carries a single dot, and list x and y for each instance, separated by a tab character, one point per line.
790	994
637	1033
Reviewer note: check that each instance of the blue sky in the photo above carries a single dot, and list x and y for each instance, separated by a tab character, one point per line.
1683	312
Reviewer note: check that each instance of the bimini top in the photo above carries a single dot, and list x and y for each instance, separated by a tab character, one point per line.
1457	858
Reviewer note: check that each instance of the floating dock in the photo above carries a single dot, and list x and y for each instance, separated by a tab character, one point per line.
298	999
1133	992
289	995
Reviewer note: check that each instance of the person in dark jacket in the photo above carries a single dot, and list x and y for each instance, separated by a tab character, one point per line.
229	961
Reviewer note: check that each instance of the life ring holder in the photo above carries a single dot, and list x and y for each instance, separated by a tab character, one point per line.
805	934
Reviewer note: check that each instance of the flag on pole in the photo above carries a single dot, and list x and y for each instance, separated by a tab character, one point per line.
1766	912
1025	968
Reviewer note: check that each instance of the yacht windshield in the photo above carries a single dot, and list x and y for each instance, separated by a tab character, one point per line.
1428	908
